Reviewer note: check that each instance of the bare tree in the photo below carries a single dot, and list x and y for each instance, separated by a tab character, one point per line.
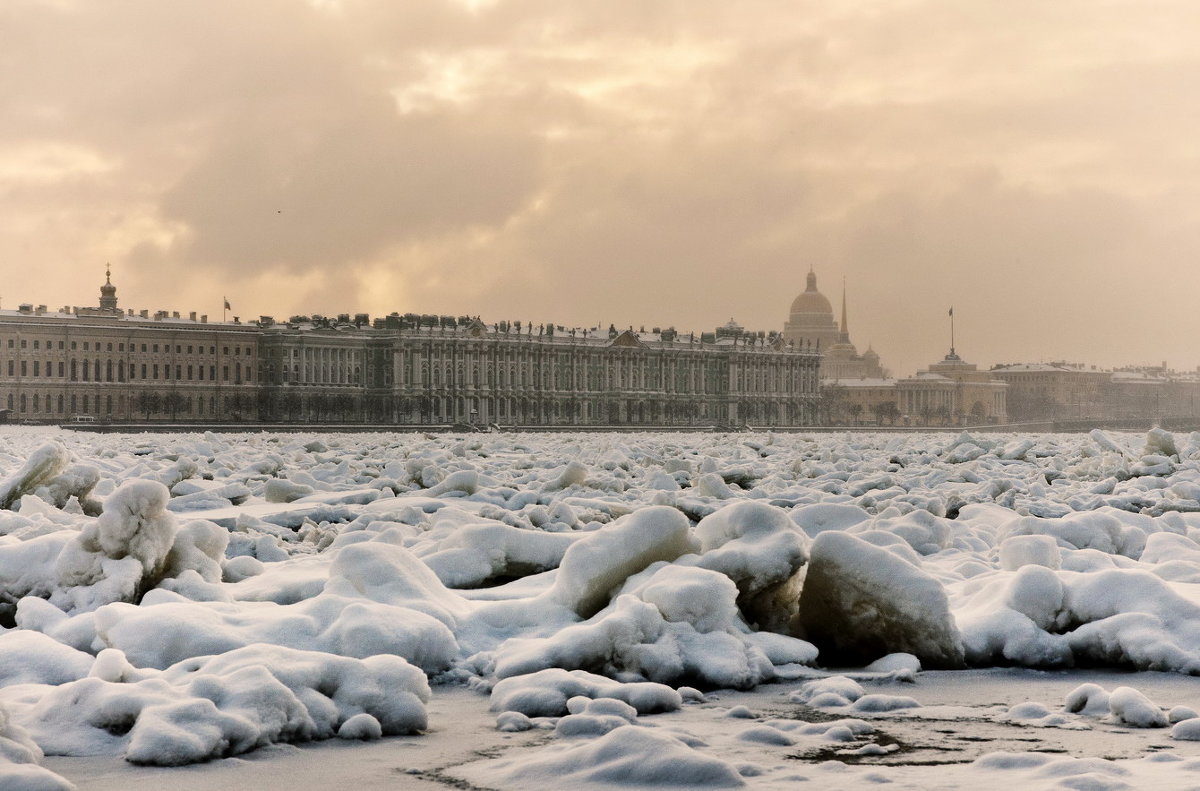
173	402
886	410
148	402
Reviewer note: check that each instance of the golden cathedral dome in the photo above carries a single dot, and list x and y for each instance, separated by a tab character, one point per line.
811	301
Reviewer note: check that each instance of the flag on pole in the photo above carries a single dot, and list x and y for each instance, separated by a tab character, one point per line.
951	308
227	307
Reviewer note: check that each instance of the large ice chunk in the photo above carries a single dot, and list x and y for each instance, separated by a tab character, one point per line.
593	567
860	602
758	547
19	756
674	624
623	758
28	657
42	465
545	694
216	706
122	553
474	554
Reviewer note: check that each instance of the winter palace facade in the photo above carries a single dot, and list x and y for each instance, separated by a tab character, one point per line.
109	364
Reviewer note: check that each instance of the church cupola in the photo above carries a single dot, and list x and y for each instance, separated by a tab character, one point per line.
108	292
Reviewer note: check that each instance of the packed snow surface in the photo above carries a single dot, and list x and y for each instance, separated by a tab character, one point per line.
173	599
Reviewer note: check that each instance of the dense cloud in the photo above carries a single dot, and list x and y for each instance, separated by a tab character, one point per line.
670	163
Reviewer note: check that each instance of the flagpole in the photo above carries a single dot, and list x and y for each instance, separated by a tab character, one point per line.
951	329
224	309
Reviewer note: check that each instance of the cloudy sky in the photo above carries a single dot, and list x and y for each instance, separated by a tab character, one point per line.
1036	164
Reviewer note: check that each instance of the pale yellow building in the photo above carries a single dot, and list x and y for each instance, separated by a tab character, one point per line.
860	401
1050	391
111	364
952	392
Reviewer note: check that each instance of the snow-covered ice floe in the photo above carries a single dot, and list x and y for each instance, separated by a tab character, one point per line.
173	599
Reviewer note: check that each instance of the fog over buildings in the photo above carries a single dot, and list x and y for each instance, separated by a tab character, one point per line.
1032	164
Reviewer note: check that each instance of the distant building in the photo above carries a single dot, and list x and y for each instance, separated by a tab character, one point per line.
1054	391
860	401
106	363
811	322
953	391
120	366
950	392
856	389
1062	391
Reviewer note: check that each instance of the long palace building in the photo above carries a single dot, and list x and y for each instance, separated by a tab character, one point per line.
115	365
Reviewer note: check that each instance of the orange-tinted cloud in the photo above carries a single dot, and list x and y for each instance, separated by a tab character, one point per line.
1035	164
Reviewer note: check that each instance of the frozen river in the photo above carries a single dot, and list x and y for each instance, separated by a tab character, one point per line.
599	610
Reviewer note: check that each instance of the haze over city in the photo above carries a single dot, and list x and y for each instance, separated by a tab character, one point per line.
1032	164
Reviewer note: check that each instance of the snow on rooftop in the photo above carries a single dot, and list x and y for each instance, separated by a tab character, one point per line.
863	382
